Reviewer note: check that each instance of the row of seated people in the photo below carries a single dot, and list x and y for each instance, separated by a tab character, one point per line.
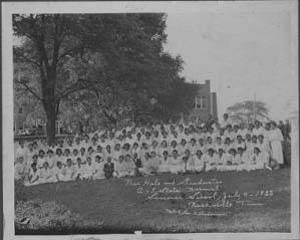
151	163
162	148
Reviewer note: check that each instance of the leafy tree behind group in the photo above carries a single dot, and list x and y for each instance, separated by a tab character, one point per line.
102	65
248	111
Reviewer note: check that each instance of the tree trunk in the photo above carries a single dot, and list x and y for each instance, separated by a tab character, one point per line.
50	124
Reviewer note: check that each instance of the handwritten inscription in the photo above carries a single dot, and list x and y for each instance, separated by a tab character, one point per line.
197	198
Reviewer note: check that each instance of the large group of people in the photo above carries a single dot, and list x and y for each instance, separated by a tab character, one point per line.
177	148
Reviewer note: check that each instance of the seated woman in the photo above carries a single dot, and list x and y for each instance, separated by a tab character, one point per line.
46	174
163	165
240	159
147	164
198	161
221	160
98	172
79	170
34	175
231	163
89	168
138	164
188	164
129	166
70	171
258	160
19	168
59	172
210	160
175	163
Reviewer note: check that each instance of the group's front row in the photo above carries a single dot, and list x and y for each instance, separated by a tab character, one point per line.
97	166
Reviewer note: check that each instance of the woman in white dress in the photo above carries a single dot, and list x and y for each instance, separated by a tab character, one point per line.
276	138
34	175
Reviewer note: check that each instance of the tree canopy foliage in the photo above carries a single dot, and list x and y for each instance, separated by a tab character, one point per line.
248	111
103	66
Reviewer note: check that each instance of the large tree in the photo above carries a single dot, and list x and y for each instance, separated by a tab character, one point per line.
248	111
114	60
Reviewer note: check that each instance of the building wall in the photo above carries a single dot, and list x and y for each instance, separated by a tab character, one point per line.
214	105
203	114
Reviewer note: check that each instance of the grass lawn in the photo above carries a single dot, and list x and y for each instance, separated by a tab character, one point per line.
120	209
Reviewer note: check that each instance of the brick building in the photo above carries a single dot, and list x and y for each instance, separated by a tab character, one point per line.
205	104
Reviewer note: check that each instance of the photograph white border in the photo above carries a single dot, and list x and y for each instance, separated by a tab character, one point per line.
9	8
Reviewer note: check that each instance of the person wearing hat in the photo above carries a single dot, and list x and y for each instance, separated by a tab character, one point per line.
276	138
239	143
258	129
242	130
201	145
19	149
164	162
91	152
225	121
82	152
256	161
50	158
264	146
173	146
227	145
19	168
116	152
79	169
198	161
209	143
221	159
107	152
240	159
75	155
34	175
59	172
228	133
192	146
248	143
88	169
231	160
138	164
129	166
135	150
28	156
182	147
218	144
46	174
41	159
210	160
235	131
98	172
163	146
146	168
175	162
188	162
69	171
154	146
119	167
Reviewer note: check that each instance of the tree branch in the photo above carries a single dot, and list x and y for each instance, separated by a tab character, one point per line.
31	90
28	60
69	51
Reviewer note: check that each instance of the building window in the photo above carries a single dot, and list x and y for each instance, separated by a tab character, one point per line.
20	110
200	102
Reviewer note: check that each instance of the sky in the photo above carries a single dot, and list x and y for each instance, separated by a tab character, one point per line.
246	55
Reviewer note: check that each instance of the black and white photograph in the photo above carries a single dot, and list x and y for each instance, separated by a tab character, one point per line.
151	118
